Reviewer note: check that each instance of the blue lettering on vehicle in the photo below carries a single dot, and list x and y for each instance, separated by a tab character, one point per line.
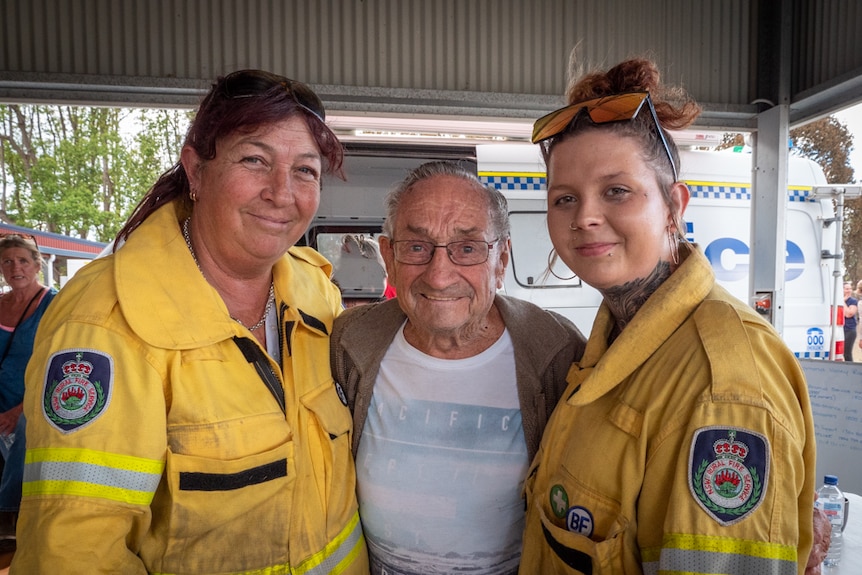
815	339
735	268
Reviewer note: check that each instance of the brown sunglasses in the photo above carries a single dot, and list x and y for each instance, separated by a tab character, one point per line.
604	110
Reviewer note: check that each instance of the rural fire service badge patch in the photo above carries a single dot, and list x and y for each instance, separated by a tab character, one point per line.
727	472
77	388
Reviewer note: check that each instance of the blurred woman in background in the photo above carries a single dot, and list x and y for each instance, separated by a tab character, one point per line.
21	309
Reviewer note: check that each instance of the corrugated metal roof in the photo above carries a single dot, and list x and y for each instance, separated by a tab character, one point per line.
485	57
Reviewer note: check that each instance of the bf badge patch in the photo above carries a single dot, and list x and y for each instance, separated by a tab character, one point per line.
728	470
77	388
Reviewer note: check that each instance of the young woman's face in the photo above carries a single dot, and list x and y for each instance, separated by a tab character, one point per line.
607	216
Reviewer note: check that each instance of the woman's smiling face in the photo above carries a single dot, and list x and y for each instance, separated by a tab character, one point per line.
600	185
259	194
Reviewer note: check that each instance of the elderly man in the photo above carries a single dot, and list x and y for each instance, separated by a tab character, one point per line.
450	384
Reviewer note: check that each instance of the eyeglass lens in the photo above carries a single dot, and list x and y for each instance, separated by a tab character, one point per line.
462	253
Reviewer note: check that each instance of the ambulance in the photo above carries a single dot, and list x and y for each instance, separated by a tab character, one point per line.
718	220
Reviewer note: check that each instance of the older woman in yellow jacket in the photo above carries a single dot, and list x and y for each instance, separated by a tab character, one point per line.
181	414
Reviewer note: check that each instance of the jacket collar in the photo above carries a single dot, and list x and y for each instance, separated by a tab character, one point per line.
518	316
367	351
604	367
177	309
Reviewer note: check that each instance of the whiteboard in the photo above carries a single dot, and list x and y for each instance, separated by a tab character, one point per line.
835	389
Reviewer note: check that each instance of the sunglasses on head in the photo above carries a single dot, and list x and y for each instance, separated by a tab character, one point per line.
18	236
249	83
604	110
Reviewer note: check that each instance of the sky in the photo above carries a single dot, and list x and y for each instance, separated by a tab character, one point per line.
852	118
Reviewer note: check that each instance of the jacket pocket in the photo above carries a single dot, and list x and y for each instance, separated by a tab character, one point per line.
329	427
574	553
211	502
566	551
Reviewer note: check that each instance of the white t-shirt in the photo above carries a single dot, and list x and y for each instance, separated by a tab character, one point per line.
441	463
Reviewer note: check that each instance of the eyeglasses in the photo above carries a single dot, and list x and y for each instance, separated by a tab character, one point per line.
604	110
462	253
249	83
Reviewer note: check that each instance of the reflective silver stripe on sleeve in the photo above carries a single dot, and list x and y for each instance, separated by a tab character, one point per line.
698	561
92	474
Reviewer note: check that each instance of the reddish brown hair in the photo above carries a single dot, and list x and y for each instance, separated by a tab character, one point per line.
223	113
674	107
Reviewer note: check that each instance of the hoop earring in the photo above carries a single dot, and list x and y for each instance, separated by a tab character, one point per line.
193	195
552	259
574	229
673	244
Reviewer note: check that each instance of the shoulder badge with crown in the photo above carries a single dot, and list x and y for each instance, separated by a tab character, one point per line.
728	472
77	388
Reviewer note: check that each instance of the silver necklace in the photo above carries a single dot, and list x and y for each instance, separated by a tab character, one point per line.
269	302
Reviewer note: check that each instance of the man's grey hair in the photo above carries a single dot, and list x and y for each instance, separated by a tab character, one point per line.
498	207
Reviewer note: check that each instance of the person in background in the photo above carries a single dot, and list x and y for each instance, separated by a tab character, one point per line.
21	309
181	414
685	440
450	383
851	312
368	248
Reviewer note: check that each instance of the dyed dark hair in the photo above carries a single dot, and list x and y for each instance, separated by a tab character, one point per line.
265	99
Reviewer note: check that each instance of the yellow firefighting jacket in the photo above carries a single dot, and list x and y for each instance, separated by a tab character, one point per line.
156	439
685	446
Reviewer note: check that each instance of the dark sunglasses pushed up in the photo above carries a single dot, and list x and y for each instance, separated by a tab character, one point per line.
250	83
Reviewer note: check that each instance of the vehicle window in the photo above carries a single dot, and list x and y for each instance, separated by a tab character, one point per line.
531	245
356	267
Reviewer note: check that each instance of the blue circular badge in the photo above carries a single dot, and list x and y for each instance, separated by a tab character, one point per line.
579	520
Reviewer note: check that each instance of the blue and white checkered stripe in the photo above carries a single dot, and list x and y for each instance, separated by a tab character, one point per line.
523	182
743	192
720	192
812	354
514	182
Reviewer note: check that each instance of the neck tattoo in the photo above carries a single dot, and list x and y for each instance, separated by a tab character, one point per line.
269	302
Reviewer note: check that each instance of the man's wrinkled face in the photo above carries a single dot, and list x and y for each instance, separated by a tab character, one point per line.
440	297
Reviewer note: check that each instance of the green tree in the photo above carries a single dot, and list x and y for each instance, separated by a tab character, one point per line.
829	143
80	171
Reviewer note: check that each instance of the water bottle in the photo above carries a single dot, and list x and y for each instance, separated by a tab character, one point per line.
831	500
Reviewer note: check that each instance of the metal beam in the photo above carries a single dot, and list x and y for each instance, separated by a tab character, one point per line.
769	212
87	90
